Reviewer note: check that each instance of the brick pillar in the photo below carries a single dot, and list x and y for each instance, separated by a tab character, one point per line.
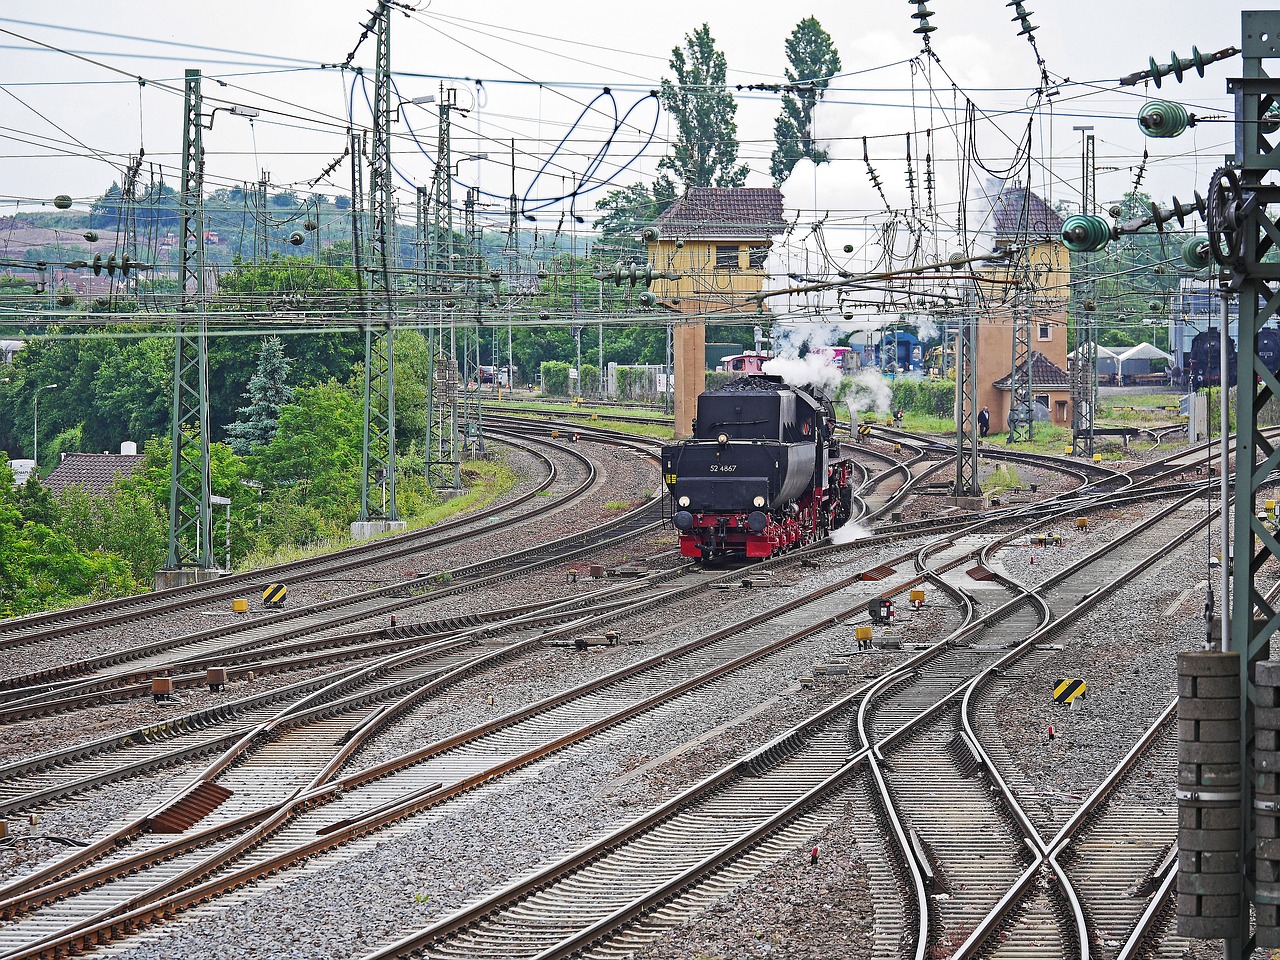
689	345
1210	878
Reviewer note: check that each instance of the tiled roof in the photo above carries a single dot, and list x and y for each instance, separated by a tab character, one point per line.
94	472
1036	222
1045	375
729	213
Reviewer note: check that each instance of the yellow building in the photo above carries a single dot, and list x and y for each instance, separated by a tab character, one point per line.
1021	218
717	240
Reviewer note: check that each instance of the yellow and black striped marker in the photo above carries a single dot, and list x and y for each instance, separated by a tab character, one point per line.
864	431
1067	690
274	595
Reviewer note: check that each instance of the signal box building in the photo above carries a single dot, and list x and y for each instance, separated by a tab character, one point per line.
1021	217
717	239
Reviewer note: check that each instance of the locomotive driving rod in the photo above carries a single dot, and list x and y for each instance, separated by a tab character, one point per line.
955	262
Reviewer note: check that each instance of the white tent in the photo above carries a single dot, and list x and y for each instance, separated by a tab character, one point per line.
1108	361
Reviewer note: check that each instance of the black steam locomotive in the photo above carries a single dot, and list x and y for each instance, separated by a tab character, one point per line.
1204	368
762	472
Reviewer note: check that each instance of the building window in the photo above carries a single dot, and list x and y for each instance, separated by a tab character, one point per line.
1046	332
726	256
756	257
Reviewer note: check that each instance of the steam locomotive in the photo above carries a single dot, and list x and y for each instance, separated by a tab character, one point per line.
1203	367
762	472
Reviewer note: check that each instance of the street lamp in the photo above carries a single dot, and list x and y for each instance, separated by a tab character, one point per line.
35	425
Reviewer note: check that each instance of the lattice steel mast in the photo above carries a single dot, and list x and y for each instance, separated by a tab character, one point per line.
190	524
378	459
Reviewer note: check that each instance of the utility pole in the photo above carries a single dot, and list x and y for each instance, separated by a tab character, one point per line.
1021	395
379	513
190	556
967	398
444	458
1084	370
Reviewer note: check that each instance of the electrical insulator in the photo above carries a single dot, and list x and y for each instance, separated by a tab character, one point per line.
650	234
956	260
1090	306
1022	16
97	264
647	299
1164	118
848	248
1156	71
62	202
1085	234
923	13
310	226
297	238
91	236
1195	253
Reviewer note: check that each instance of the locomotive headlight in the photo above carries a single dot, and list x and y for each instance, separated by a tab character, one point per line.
758	502
683	501
722	439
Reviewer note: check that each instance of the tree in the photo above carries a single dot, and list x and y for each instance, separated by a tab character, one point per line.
706	152
814	61
267	393
626	210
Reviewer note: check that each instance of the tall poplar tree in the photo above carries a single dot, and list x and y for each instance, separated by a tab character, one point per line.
706	152
814	60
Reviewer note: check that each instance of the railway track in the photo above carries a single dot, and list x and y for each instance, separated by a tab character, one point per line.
366	817
22	631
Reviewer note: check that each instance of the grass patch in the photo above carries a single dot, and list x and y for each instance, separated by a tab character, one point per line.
617	505
1005	477
485	480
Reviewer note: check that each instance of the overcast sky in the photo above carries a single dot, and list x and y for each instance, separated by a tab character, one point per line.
70	125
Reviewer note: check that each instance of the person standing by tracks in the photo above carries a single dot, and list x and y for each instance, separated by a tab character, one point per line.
984	422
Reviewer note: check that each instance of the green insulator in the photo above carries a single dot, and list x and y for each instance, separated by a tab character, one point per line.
647	299
62	202
1085	234
1163	118
1195	253
91	236
848	248
1270	121
297	238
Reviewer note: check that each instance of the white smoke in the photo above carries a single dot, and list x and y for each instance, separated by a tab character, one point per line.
811	370
926	329
851	531
868	390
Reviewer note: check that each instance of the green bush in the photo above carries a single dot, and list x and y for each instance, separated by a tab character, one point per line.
555	378
930	398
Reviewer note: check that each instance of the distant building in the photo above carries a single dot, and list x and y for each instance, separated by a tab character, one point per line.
1020	217
9	349
1050	392
717	239
94	472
